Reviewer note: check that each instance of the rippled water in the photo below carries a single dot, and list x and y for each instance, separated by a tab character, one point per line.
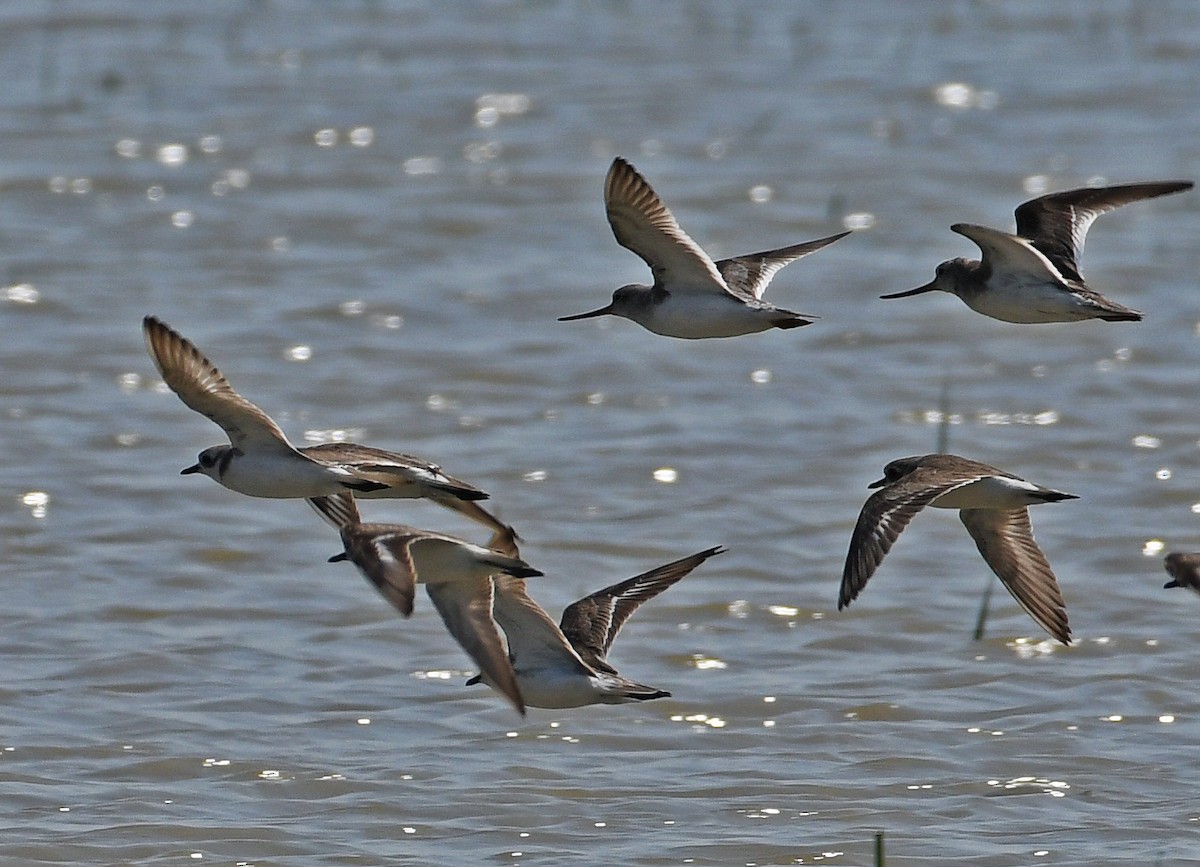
370	214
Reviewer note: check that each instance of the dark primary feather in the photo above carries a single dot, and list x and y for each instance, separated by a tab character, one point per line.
1057	223
883	517
385	561
338	510
592	623
749	275
1005	539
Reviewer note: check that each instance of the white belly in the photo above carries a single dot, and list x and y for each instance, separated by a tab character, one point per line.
694	317
441	560
280	476
551	688
994	492
1030	303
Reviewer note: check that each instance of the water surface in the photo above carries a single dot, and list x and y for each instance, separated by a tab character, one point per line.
370	214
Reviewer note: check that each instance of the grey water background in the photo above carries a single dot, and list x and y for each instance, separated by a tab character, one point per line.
369	215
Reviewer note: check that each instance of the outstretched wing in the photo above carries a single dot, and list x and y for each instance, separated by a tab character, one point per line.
1005	539
592	623
338	510
466	609
883	517
534	640
642	223
385	559
1057	224
750	275
204	389
1008	254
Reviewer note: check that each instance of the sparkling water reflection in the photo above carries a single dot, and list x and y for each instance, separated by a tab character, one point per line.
372	214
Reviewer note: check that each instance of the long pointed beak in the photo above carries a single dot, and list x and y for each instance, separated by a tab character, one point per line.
603	311
878	484
338	558
920	290
187	471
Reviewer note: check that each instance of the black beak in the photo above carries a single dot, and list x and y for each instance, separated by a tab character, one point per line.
476	679
920	290
878	484
187	471
337	558
603	311
1171	584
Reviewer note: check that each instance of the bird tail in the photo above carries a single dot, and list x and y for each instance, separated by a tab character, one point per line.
791	320
513	566
1054	496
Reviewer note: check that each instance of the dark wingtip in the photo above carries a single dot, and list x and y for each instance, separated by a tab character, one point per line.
650	696
1056	496
792	323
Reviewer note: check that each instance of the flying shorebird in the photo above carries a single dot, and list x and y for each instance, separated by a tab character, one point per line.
1033	276
566	665
1184	570
457	576
992	505
260	462
692	297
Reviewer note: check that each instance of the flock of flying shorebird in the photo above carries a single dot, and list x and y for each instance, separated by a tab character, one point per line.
1031	276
